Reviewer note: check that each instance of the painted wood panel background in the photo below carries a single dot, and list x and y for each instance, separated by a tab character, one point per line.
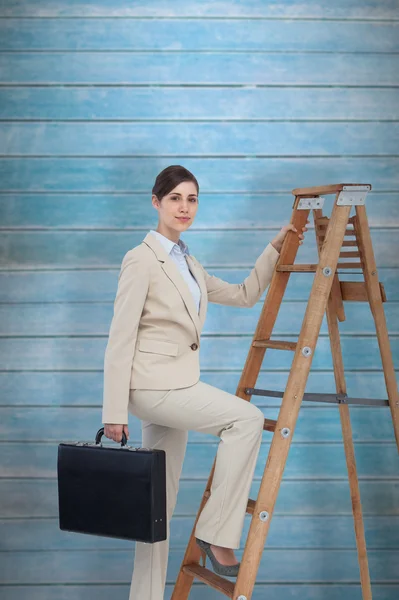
255	98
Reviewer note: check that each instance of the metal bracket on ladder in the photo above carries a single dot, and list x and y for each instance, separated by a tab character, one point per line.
310	203
353	195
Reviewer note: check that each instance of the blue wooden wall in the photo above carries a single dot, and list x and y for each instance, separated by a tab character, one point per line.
255	98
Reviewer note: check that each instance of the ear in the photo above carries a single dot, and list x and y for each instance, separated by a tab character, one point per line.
155	202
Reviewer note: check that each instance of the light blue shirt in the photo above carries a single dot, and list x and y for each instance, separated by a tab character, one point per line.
177	253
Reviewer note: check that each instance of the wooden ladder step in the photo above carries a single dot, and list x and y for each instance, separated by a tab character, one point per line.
348	232
325	220
298	268
312	268
349	255
251	506
275	344
269	425
210	578
349	265
356	291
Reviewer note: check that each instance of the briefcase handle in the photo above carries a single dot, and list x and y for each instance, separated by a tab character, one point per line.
100	433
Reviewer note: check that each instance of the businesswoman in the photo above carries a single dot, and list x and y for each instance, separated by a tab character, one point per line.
152	370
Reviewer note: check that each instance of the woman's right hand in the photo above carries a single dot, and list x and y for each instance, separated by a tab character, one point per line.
114	432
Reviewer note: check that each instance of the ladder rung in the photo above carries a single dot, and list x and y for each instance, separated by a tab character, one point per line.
356	291
298	268
325	221
210	578
348	233
349	243
349	255
311	268
275	344
269	425
349	265
322	397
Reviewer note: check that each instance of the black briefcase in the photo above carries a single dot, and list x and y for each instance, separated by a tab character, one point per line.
115	492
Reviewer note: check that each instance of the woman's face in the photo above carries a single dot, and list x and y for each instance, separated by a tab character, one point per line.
182	201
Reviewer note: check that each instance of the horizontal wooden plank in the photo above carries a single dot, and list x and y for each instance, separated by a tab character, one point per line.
115	566
209	103
82	353
216	211
285	532
80	388
27	567
35	249
100	285
38	498
314	425
155	34
345	9
95	319
214	174
214	68
314	461
260	592
194	139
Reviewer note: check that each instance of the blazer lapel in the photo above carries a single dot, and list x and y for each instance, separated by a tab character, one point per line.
172	271
202	285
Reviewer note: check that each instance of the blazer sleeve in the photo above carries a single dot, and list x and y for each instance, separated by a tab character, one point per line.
133	282
244	294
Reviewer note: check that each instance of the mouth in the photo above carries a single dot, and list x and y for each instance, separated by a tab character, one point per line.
183	219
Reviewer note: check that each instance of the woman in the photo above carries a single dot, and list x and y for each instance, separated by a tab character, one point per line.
151	369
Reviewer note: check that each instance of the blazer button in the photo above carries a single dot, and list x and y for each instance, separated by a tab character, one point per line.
194	346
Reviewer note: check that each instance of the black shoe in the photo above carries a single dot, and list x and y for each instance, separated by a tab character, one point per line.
226	570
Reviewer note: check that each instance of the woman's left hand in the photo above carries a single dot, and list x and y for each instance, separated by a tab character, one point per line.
277	242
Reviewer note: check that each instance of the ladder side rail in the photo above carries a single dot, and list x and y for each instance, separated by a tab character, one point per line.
271	305
335	293
332	316
291	402
350	458
362	230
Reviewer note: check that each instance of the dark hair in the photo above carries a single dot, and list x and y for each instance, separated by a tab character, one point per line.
169	178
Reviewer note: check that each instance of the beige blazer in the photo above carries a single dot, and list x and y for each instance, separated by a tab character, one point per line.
154	337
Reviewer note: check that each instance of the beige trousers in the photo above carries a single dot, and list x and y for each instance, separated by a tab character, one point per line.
166	416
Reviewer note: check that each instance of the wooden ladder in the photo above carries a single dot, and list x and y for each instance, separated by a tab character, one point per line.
327	295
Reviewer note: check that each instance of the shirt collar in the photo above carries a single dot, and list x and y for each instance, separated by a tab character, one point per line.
169	245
